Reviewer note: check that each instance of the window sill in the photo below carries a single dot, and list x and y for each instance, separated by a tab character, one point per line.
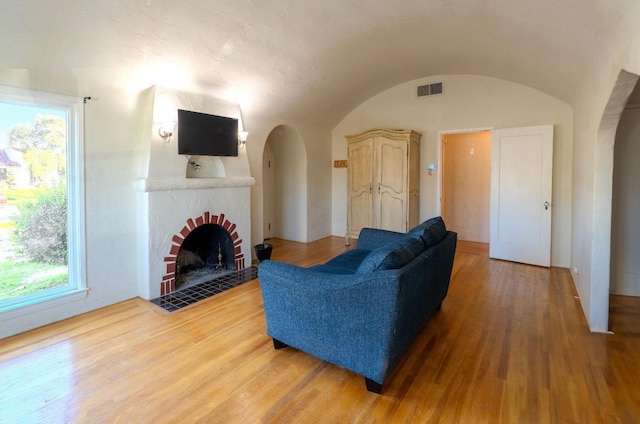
41	304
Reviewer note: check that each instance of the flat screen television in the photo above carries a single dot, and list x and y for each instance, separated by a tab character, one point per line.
208	135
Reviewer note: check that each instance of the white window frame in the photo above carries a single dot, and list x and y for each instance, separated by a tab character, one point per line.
76	243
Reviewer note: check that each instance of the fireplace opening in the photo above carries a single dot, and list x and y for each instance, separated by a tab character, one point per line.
206	253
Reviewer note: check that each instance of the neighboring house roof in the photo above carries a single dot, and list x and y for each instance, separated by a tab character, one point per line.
6	161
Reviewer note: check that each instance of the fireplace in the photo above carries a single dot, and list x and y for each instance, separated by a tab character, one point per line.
206	247
181	207
171	213
207	251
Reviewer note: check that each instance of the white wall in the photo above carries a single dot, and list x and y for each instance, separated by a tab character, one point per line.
162	159
468	102
625	240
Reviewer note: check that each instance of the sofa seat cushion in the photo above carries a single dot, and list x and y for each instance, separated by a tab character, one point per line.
430	232
392	255
350	259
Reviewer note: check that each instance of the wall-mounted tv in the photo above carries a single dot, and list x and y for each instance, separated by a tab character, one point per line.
209	135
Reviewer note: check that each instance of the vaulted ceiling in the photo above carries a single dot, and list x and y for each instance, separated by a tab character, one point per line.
297	60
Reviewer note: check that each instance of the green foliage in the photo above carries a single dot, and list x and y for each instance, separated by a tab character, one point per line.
23	278
43	143
46	132
41	227
20	136
21	195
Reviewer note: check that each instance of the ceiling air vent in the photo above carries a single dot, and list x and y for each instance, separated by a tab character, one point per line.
430	89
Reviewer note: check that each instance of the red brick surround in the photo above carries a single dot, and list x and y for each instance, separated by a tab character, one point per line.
168	283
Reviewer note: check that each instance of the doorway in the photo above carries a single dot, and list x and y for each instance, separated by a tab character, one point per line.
466	184
496	189
625	232
285	201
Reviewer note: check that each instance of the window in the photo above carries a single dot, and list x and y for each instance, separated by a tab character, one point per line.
42	246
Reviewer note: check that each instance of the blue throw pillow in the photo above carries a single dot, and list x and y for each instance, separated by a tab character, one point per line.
430	232
393	255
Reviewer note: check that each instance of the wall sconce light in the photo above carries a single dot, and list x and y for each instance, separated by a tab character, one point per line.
166	131
242	138
431	168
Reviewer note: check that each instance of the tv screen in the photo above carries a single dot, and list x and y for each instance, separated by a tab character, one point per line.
203	134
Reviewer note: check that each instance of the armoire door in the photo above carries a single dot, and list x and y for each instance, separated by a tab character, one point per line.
390	197
360	174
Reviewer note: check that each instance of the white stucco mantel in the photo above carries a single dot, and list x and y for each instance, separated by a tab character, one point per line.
145	185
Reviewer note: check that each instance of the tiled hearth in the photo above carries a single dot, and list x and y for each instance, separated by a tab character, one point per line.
187	296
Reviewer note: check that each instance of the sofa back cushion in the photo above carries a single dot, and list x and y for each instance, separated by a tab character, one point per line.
392	255
430	232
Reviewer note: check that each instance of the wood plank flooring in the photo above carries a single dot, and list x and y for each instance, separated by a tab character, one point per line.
510	345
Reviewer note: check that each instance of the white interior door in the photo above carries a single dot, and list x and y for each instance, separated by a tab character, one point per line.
521	174
267	192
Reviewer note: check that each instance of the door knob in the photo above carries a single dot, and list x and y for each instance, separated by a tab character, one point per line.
546	205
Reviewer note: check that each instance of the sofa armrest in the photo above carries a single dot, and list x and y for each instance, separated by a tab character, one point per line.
348	320
372	238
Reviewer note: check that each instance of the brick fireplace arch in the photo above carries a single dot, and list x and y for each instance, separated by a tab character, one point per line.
168	284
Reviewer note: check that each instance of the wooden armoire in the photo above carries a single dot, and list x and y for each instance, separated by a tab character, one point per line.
383	180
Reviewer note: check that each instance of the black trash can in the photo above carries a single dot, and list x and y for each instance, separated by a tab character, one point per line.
263	251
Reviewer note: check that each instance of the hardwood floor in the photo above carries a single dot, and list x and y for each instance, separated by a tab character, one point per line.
510	345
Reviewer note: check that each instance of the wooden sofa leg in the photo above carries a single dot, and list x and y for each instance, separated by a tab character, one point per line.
277	344
372	386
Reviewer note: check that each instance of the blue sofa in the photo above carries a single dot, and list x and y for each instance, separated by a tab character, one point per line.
362	309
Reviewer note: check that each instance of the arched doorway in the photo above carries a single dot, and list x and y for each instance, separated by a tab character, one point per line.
600	278
285	185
